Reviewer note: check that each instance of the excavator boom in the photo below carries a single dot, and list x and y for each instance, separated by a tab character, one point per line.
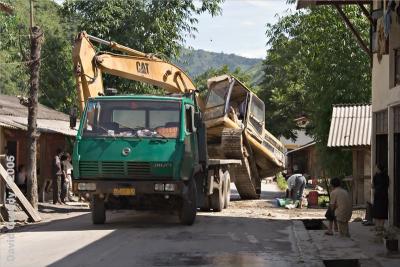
133	65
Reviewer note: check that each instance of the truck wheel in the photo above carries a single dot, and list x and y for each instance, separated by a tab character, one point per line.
227	190
217	199
258	188
98	210
206	206
187	214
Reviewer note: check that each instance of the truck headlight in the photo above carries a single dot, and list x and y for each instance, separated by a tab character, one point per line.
86	186
170	187
159	187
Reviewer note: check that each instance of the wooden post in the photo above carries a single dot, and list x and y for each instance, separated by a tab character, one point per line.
25	205
34	67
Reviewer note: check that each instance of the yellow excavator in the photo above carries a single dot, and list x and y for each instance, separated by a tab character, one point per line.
133	65
235	120
124	140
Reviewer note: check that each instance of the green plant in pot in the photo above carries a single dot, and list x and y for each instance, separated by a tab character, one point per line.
391	240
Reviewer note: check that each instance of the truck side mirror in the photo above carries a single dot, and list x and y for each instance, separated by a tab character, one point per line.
73	117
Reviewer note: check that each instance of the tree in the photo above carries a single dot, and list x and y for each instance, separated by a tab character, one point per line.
57	86
151	26
314	62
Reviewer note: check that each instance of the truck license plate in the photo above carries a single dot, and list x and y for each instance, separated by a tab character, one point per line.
127	191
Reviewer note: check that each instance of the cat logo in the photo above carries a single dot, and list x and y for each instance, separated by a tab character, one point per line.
142	67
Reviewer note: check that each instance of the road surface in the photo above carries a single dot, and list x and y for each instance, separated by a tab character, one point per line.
246	234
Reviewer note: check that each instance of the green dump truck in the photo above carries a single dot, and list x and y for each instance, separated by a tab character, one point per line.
148	152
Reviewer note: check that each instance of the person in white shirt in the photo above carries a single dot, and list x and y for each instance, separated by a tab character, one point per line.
296	184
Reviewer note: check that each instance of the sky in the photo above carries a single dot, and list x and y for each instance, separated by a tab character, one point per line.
240	29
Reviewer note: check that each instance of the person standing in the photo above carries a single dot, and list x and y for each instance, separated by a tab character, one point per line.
57	177
296	184
380	185
67	174
22	178
342	206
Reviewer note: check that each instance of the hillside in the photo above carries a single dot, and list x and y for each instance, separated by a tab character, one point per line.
196	62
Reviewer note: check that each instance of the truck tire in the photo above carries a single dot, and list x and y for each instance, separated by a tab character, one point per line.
187	214
217	199
227	190
206	205
98	210
258	188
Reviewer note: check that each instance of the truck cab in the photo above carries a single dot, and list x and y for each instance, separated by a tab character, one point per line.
138	152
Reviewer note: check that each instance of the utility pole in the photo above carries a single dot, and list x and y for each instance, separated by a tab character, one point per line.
36	36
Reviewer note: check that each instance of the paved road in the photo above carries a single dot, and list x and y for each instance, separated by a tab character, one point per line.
145	239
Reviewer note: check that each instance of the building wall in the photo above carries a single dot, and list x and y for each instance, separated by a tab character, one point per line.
384	91
306	161
385	97
367	176
47	145
361	186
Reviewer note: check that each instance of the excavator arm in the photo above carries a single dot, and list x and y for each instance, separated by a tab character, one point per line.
133	65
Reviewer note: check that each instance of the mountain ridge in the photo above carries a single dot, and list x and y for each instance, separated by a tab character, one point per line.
198	61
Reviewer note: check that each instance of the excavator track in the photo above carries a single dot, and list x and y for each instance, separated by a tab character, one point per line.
232	147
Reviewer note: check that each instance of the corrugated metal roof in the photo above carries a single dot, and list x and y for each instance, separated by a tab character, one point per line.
43	125
10	105
301	140
301	148
350	126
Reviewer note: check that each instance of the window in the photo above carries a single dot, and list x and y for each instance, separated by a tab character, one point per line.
257	114
397	66
132	118
217	95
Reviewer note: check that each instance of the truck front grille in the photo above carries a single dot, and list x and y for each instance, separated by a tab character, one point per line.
138	169
89	168
118	169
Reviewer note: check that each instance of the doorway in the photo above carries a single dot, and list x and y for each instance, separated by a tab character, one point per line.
396	184
382	150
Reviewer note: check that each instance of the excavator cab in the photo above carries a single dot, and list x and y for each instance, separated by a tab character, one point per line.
229	98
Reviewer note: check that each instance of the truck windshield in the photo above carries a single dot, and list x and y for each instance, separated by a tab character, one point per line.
144	118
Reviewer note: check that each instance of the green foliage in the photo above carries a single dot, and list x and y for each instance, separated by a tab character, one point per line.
196	62
201	80
159	27
323	201
281	182
57	87
314	62
151	26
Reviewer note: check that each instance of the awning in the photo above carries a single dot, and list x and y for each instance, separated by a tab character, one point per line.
350	126
301	148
